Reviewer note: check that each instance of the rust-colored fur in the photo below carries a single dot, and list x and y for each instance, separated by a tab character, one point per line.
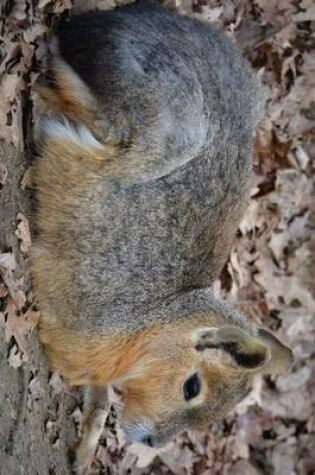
89	359
68	97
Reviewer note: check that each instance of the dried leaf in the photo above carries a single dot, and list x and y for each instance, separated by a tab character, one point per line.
42	4
19	10
7	267
23	233
145	454
18	326
16	358
57	383
35	388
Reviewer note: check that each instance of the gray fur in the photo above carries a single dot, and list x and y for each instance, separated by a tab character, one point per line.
177	95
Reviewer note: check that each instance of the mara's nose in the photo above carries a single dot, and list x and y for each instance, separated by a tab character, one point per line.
147	441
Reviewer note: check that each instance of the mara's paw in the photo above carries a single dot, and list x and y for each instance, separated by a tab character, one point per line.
82	459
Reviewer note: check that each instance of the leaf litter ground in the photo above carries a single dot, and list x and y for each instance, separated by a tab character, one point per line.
270	272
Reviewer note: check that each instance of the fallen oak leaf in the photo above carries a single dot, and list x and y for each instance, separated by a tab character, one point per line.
81	6
243	467
145	455
42	4
291	404
31	317
250	35
57	383
27	181
11	52
24	234
16	358
177	456
14	326
61	5
34	32
308	15
18	326
27	51
7	266
35	389
18	11
35	392
7	260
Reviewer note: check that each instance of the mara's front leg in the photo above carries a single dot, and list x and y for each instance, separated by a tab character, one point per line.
94	417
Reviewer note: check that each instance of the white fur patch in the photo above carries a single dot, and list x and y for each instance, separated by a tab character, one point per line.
64	130
138	431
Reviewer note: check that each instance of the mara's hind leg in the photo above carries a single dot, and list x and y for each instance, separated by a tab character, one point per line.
63	97
94	417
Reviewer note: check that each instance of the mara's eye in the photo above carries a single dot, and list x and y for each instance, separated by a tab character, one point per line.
192	387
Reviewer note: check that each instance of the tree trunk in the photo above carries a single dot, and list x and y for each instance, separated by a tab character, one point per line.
36	426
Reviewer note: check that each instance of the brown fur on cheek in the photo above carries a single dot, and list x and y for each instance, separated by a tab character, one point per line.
140	398
149	392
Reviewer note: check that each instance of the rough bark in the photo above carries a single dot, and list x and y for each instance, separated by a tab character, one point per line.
36	429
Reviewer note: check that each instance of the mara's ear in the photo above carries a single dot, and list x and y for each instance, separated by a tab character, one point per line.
281	355
260	353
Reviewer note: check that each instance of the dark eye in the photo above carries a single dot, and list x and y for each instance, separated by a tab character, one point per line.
192	387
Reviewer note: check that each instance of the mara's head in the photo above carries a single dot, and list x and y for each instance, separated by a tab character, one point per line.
195	375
